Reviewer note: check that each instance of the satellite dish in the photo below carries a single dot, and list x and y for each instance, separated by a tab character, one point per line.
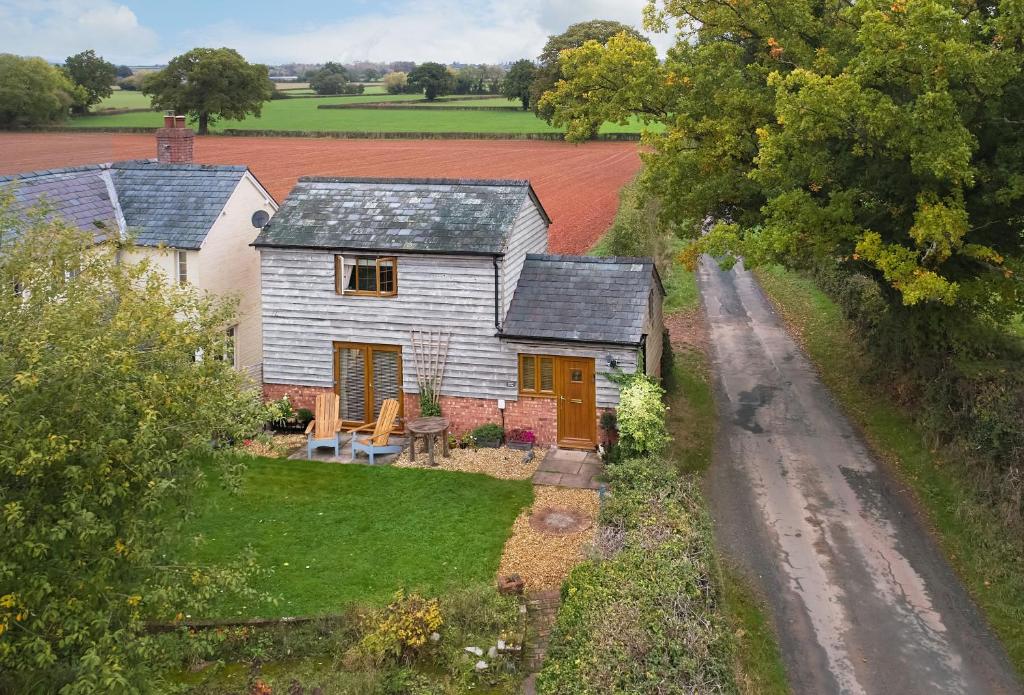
260	219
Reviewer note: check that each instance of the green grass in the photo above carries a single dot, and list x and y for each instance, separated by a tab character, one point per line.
333	534
759	667
990	563
303	115
123	99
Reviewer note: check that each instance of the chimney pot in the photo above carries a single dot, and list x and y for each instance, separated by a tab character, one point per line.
169	119
179	121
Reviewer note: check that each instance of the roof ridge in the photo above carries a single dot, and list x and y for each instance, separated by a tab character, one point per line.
606	260
415	180
168	166
7	178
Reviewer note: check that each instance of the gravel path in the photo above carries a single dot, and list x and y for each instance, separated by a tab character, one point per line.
863	600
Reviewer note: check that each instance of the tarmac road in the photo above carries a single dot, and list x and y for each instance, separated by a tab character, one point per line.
862	598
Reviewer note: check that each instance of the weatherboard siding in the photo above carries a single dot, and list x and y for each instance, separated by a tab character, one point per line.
303	318
529	235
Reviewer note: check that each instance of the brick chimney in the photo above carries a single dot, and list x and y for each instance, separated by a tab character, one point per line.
174	141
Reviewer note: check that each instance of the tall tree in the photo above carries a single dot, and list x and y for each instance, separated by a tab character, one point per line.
93	74
396	83
332	78
208	84
33	92
885	136
518	81
124	71
549	71
433	78
106	419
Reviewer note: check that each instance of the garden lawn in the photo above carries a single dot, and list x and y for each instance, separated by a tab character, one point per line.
303	115
333	534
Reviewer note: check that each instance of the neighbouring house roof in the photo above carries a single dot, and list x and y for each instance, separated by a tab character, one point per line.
160	204
582	299
459	216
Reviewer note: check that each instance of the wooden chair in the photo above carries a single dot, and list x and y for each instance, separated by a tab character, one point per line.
325	427
377	442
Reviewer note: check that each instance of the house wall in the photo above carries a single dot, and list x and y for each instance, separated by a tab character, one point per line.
228	266
654	328
529	235
303	317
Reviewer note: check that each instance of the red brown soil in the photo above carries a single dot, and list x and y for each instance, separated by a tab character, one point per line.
578	184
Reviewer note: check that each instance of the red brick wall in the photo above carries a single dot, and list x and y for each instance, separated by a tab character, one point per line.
300	396
539	415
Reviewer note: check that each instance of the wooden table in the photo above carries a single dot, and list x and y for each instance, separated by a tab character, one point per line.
428	428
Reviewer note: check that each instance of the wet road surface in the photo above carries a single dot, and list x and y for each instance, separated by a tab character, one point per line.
862	598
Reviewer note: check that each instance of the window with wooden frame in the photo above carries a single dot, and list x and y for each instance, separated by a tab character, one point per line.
537	375
182	263
366	276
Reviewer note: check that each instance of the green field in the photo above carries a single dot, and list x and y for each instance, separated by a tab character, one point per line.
330	535
303	115
122	99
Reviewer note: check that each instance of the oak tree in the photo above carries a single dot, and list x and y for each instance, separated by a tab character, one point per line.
209	84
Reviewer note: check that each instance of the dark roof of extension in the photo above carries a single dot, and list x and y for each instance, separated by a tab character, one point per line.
582	299
458	216
170	204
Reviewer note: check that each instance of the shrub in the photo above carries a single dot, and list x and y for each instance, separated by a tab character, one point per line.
304	416
522	436
488	433
403	628
429	407
641	416
280	411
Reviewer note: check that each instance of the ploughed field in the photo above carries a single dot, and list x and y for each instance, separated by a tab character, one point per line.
578	184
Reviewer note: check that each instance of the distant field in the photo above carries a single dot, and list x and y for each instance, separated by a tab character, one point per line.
123	99
303	115
289	86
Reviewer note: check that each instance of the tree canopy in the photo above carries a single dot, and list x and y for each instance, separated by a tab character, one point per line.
106	418
549	71
885	136
518	81
433	78
332	78
33	92
208	84
93	74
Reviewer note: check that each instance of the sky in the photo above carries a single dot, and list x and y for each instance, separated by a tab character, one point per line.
153	31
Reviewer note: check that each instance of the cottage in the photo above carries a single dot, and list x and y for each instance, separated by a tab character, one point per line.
193	222
353	269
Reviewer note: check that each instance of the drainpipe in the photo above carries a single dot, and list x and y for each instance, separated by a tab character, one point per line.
497	320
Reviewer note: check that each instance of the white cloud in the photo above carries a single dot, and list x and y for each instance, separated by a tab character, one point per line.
469	31
54	29
442	30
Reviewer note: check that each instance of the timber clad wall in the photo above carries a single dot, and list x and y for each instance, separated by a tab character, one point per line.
529	235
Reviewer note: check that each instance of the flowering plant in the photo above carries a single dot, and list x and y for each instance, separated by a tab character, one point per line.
522	436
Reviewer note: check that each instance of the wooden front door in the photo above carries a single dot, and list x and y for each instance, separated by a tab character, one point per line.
577	411
365	376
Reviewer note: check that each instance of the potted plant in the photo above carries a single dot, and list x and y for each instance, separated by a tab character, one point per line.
488	436
467	441
521	439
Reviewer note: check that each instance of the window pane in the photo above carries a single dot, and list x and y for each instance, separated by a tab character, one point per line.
387	276
527	373
366	275
547	374
386	378
352	384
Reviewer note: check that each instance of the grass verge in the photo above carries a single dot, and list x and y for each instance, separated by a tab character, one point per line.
990	563
334	535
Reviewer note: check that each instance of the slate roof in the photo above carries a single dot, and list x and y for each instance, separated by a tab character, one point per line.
461	216
80	195
173	204
170	204
582	299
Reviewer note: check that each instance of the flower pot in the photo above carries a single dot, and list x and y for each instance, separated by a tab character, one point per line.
489	443
521	446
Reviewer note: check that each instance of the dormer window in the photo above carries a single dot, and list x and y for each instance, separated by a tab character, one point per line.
371	276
